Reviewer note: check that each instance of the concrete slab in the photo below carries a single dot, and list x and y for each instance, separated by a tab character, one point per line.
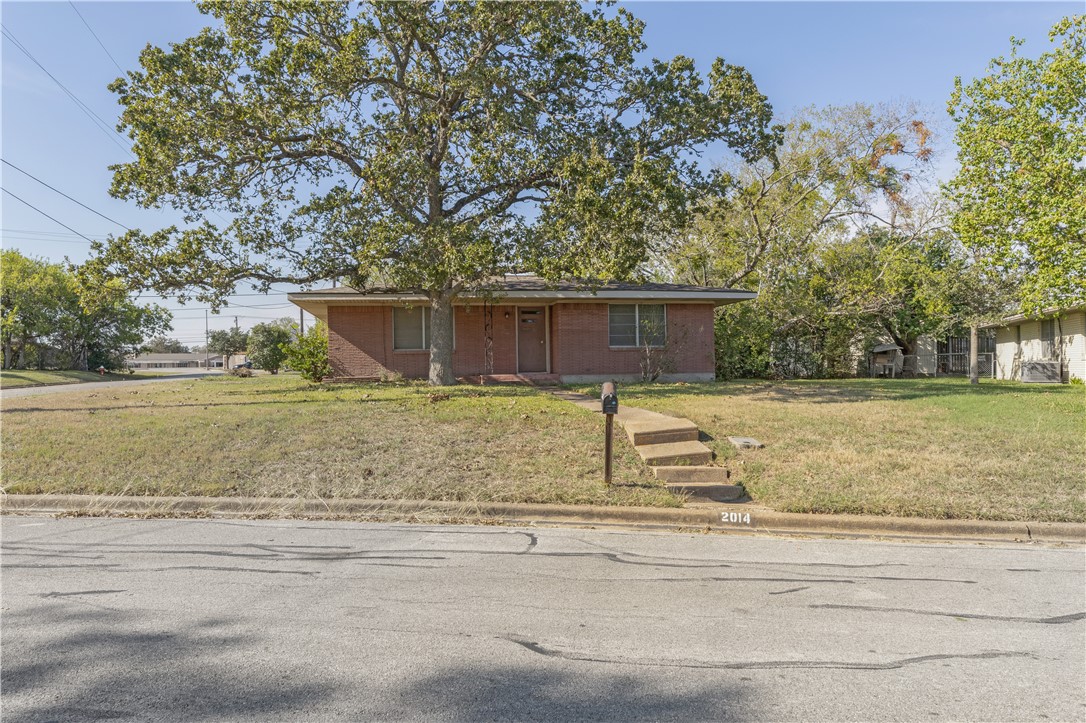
675	453
745	443
659	431
708	491
691	475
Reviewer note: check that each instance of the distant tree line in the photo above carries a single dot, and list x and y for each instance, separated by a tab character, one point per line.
52	319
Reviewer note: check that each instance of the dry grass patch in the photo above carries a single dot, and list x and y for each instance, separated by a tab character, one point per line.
927	448
281	437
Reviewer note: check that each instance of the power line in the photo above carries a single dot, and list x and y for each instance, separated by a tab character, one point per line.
103	45
43	213
6	162
95	118
29	232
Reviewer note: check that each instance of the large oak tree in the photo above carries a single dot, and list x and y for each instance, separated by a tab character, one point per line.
423	145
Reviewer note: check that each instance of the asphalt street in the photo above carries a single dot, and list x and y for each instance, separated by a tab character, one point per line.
295	620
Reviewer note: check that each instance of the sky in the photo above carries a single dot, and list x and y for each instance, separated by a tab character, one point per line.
799	53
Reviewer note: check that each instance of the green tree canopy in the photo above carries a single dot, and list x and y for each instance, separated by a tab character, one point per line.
1021	189
267	344
50	318
227	342
429	145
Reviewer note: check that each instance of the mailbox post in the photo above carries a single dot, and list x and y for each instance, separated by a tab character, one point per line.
609	406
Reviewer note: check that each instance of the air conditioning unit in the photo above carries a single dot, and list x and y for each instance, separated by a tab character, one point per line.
1042	372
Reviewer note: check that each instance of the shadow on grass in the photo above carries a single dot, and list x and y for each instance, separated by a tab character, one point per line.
201	405
842	391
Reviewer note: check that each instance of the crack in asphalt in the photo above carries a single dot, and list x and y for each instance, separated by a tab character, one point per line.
766	664
79	592
785	592
1058	620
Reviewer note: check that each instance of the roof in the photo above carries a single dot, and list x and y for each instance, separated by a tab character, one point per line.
183	356
884	347
1014	319
524	288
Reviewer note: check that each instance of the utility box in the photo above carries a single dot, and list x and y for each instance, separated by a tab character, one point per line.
609	399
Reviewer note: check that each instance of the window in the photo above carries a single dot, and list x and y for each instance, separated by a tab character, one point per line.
1048	330
1048	338
631	325
410	328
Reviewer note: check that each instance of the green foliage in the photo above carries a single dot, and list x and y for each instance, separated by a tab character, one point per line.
1020	193
836	164
164	345
427	145
266	342
49	318
227	342
838	239
308	353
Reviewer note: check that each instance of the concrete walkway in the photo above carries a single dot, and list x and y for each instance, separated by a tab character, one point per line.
670	446
18	392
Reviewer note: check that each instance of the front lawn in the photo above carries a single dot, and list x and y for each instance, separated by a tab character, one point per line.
281	437
13	378
937	448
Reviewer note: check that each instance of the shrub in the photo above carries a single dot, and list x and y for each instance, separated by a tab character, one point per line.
266	344
308	354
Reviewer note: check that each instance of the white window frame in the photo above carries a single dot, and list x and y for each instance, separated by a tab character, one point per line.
425	327
637	326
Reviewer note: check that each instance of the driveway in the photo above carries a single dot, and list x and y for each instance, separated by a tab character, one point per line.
91	386
303	620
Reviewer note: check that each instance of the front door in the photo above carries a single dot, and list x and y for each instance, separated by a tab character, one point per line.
531	339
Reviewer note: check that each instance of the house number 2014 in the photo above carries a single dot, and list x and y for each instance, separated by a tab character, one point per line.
735	517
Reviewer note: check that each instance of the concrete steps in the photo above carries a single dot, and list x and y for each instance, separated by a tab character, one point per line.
660	431
675	453
700	483
670	446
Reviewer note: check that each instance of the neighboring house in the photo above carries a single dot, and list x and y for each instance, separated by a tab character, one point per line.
187	360
1050	347
620	331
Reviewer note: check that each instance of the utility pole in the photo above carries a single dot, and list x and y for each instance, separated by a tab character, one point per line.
301	322
207	340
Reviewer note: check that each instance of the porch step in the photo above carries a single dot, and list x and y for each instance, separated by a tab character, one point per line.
659	431
675	453
692	475
708	491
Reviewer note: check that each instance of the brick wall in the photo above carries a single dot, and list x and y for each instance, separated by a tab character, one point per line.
360	343
579	341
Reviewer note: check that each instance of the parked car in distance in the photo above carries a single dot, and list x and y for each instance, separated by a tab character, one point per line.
244	365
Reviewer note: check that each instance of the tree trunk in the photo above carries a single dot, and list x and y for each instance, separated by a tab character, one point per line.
974	366
441	339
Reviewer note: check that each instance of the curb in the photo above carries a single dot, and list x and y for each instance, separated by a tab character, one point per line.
721	518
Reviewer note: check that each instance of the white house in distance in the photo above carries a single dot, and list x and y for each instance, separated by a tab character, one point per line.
1051	347
169	362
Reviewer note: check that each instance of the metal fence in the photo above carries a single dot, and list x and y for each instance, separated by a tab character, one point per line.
942	365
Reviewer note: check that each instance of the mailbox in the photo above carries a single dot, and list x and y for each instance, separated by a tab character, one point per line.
609	399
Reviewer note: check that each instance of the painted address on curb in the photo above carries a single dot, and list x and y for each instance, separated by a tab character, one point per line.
736	518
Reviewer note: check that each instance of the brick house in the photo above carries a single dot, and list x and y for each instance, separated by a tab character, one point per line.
529	327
